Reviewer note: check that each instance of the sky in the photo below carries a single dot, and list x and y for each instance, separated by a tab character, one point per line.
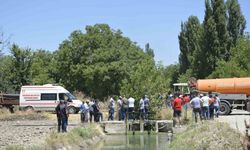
44	24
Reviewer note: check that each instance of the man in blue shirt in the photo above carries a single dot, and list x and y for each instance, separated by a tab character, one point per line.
196	105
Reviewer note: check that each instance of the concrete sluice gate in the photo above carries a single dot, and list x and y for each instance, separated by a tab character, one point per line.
158	141
121	127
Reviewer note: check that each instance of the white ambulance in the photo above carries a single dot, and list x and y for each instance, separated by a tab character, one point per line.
46	97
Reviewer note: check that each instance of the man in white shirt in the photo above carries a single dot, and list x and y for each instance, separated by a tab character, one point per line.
111	108
131	105
205	106
142	110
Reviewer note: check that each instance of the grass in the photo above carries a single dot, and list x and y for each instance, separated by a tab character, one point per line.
75	139
167	114
207	136
5	115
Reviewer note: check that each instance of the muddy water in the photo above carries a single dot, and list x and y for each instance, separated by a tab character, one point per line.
133	142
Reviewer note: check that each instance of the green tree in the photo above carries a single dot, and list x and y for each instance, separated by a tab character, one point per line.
238	65
6	75
236	22
149	50
220	19
97	61
21	62
190	44
41	67
210	39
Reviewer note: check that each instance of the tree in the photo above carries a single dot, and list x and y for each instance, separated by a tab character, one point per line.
21	62
96	62
238	65
210	39
4	42
236	22
149	50
220	19
6	75
41	67
190	43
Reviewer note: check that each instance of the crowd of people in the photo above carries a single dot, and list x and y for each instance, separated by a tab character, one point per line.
126	107
205	106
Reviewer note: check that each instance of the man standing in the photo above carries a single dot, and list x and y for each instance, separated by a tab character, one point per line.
196	105
211	106
124	107
217	105
177	105
141	105
131	105
146	106
119	108
86	112
205	106
98	116
62	115
91	110
82	110
111	108
186	100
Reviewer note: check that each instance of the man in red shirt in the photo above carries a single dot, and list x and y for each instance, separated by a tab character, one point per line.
186	100
177	105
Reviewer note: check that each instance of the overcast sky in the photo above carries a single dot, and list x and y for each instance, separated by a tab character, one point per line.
45	24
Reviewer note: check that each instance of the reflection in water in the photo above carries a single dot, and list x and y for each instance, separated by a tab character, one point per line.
134	142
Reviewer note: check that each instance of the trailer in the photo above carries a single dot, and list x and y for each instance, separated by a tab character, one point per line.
9	101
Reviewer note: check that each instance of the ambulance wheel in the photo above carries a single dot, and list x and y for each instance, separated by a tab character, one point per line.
29	108
72	110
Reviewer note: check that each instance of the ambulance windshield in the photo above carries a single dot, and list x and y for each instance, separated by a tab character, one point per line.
71	97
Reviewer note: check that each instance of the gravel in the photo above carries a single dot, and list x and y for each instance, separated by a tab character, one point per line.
23	132
27	132
236	120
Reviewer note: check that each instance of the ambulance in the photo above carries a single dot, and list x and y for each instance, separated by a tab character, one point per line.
46	97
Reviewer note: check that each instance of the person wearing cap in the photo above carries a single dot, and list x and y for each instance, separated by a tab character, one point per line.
62	115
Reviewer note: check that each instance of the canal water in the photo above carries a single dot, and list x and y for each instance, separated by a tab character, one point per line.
134	142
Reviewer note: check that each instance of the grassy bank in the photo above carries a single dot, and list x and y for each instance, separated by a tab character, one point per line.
77	138
207	136
5	115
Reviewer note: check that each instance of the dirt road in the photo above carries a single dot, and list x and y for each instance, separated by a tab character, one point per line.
236	120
